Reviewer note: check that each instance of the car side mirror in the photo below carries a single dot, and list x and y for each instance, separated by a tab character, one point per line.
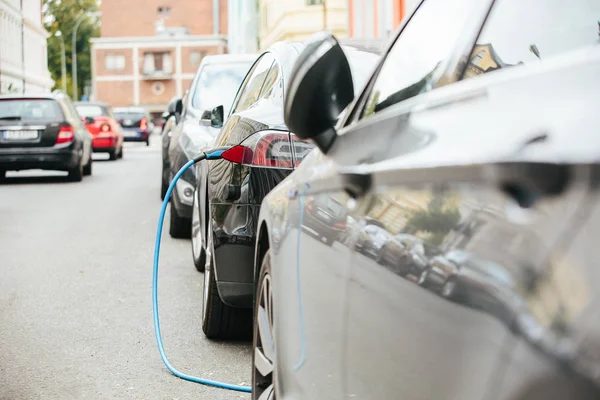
175	106
216	117
320	88
205	119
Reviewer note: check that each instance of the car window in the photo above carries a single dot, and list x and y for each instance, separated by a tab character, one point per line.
424	44
522	32
253	83
29	109
92	110
272	88
217	85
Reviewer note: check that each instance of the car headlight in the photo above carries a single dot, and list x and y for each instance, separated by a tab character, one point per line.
185	191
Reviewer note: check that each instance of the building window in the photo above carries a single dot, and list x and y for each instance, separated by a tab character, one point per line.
196	57
314	2
114	62
164	10
157	62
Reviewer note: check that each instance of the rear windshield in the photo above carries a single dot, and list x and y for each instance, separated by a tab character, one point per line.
92	111
128	114
218	84
29	109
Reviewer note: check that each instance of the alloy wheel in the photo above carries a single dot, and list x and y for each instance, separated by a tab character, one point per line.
448	289
196	231
422	277
264	347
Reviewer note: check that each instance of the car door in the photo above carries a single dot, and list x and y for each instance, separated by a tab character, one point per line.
411	339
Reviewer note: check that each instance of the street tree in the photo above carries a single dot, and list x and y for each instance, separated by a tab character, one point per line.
61	16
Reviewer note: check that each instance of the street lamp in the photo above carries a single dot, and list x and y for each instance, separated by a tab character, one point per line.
74	47
63	61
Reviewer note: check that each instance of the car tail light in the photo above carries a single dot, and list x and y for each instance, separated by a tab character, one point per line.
66	134
143	124
268	149
301	148
340	225
105	128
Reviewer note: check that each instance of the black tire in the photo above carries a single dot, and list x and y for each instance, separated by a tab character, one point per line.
87	168
220	321
164	186
148	142
448	290
112	155
2	174
120	155
179	228
263	381
75	173
328	241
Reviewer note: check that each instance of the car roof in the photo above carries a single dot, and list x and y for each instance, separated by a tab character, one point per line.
228	58
129	109
91	103
48	96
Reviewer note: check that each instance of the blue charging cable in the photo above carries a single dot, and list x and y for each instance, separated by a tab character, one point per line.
214	154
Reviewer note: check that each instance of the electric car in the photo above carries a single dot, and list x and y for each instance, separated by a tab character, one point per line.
43	131
229	191
478	132
101	123
136	122
189	131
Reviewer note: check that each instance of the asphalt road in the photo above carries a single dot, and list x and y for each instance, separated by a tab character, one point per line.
75	290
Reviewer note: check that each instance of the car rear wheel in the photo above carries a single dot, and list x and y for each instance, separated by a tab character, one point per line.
120	155
263	356
112	155
198	252
449	289
87	168
2	174
220	321
76	173
147	142
179	228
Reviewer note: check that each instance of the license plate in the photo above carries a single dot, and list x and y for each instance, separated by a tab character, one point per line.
324	215
130	133
20	135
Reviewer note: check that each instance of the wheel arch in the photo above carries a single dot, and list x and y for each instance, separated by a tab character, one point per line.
262	246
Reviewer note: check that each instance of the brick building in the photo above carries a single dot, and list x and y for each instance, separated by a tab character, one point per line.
149	50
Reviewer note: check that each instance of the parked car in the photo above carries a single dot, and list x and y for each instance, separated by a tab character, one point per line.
106	132
325	218
228	195
476	105
43	131
189	131
136	122
406	254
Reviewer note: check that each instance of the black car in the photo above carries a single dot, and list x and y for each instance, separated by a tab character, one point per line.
230	191
188	132
477	132
43	132
136	123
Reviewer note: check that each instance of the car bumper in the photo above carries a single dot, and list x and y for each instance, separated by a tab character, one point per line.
38	158
130	135
104	144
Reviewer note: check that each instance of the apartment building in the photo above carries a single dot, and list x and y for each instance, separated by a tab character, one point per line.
145	58
23	49
376	19
299	19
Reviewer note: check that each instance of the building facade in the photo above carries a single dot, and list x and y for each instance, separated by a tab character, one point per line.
23	49
376	19
148	60
299	19
242	26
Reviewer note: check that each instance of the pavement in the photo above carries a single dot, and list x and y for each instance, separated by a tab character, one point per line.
75	290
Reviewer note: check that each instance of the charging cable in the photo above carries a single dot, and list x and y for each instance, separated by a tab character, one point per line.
213	154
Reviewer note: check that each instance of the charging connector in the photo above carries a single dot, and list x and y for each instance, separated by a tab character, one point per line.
213	154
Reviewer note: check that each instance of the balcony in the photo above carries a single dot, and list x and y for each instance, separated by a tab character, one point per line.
156	75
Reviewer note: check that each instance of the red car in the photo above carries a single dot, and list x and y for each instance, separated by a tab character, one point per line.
106	131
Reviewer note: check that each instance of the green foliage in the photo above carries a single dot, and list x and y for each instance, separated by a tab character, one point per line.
435	220
61	15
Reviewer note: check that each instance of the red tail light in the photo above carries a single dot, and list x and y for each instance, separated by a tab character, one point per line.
65	135
269	149
143	124
105	128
